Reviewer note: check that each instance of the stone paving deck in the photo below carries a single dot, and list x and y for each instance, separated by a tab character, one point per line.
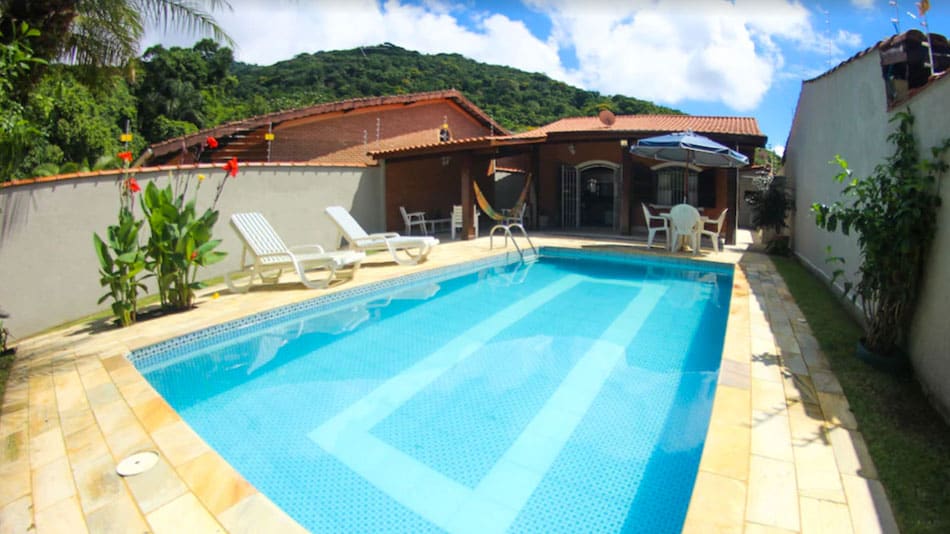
783	452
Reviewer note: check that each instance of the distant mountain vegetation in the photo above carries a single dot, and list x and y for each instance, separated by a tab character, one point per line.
74	121
516	99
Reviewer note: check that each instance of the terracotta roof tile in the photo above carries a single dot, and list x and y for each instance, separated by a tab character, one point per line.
654	123
171	145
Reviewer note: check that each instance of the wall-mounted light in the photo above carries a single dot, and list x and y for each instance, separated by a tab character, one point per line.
446	160
571	149
623	142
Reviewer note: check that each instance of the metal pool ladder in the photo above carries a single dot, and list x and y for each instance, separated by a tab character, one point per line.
506	228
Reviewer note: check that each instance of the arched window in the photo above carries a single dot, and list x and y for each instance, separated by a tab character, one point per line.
669	186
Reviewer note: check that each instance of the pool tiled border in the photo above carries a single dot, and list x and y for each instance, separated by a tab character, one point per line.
783	452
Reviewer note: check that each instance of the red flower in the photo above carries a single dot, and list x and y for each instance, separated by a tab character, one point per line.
133	185
211	142
231	167
125	156
194	254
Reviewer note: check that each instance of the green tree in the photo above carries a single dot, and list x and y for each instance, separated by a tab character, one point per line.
16	60
101	33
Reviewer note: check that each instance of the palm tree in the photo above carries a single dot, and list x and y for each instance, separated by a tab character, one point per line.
101	33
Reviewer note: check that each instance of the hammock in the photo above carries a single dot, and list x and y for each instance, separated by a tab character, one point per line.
494	215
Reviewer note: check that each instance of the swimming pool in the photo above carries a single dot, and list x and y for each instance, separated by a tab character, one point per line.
569	394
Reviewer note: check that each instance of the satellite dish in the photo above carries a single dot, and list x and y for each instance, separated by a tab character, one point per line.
607	117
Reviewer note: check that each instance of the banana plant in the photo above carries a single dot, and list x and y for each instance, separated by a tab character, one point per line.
121	262
179	244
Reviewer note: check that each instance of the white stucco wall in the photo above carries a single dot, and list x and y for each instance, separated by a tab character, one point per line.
846	113
48	266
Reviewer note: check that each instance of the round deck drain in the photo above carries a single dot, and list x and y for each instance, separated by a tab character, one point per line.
139	462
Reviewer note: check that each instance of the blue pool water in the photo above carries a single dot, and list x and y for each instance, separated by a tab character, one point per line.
568	395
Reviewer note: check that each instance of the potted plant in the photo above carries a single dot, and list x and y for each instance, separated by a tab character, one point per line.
894	213
770	207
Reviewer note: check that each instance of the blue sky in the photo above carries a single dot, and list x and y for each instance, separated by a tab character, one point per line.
704	57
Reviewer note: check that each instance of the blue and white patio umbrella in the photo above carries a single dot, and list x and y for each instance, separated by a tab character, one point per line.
689	148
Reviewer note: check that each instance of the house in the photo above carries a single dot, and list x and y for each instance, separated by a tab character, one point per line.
584	176
847	111
334	133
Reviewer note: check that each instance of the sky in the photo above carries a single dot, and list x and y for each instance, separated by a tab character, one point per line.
703	57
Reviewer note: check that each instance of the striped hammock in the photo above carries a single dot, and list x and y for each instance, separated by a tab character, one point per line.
494	215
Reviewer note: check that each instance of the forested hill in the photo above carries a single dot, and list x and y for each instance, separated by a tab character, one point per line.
516	99
75	122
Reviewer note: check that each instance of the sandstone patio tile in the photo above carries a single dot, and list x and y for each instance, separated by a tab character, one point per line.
73	420
734	374
119	515
15	447
156	487
114	415
817	470
773	495
97	482
256	513
179	443
799	388
155	413
85	444
731	407
825	381
17	481
726	451
184	514
52	483
64	517
128	440
17	516
837	410
771	436
851	453
868	505
755	528
102	394
825	517
766	366
216	484
46	447
768	396
717	505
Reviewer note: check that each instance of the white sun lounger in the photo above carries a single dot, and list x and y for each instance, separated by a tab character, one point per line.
414	248
265	255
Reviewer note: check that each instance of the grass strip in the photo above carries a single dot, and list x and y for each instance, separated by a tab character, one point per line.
908	440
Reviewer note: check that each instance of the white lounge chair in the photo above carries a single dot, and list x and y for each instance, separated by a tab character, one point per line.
713	235
415	249
265	255
685	222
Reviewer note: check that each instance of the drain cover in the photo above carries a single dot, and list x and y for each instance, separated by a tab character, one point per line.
139	462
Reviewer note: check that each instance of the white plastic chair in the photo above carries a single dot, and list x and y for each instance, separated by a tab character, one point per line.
516	217
416	249
655	224
685	222
714	234
416	218
265	255
457	220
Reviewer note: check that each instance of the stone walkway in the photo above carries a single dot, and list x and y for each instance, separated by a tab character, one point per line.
783	453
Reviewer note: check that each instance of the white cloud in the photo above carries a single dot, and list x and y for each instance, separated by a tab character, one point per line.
668	51
863	4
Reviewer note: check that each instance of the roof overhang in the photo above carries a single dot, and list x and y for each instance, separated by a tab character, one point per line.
487	146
